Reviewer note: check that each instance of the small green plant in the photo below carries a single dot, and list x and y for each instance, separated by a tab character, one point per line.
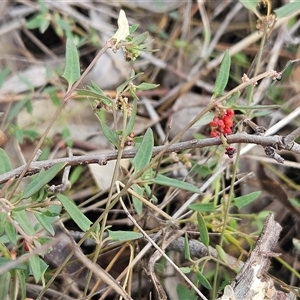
29	215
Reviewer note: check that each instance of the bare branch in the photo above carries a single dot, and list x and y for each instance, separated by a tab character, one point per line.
276	141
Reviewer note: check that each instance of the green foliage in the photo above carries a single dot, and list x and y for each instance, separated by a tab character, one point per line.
75	213
124	235
287	10
184	293
41	180
250	4
244	200
223	76
167	181
144	153
72	66
202	229
5	165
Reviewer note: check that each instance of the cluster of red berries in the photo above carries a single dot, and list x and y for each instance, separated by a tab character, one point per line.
222	124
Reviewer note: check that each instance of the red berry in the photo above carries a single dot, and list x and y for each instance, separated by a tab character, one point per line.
214	133
227	121
227	130
230	112
221	124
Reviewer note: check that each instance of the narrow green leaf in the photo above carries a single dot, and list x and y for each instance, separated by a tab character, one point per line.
221	253
250	4
144	153
5	165
34	263
91	94
42	179
255	107
11	233
132	118
123	86
242	201
204	207
287	10
3	220
75	213
45	221
21	217
223	76
133	28
137	40
124	235
203	280
164	180
109	134
72	67
22	283
187	254
137	203
146	86
202	229
5	280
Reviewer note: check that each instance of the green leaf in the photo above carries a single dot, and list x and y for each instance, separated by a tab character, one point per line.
3	220
124	235
202	229
22	218
11	233
242	201
137	40
45	221
22	283
5	165
35	267
5	280
184	293
137	203
144	153
133	28
106	100
223	76
75	213
221	253
250	4
109	133
208	117
76	174
187	254
287	10
132	118
42	179
146	86
204	207
164	180
125	84
72	67
255	107
203	280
